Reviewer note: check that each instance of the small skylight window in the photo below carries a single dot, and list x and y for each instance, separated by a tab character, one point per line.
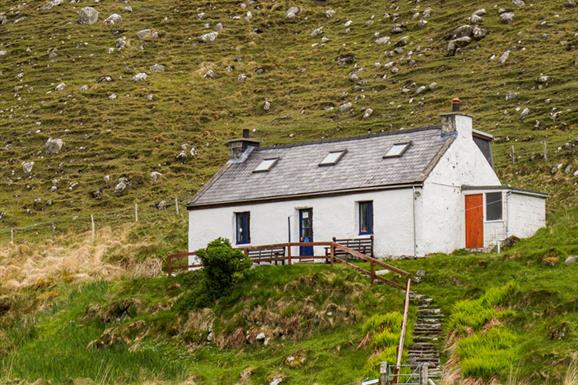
332	158
397	150
266	165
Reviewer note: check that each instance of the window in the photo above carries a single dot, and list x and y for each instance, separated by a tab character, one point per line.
493	206
243	227
266	165
332	158
397	150
365	217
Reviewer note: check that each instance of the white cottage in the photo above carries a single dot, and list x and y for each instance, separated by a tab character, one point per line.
413	192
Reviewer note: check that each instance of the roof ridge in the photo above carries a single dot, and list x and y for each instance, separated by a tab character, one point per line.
348	139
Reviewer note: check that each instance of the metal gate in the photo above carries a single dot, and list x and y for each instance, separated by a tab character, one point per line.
402	375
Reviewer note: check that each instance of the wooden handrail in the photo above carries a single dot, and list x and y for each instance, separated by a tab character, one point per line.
403	330
367	258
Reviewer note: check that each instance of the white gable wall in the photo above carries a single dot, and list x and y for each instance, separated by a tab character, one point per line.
333	216
442	217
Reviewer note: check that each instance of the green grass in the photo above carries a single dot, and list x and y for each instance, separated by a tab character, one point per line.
171	348
132	136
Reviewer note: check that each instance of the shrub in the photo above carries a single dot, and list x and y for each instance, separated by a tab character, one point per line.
221	263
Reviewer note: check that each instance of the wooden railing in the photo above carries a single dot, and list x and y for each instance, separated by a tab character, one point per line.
331	257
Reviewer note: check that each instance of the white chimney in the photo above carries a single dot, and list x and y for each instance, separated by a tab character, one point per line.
456	121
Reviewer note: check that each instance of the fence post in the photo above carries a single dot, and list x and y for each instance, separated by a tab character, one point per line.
136	212
289	257
372	268
545	151
12	235
513	154
423	375
383	374
93	227
177	205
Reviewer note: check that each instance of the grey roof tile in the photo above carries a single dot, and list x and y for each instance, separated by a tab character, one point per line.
298	172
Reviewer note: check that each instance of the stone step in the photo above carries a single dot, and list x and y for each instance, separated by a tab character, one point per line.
428	310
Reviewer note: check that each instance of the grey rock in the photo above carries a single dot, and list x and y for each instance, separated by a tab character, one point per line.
422	23
455	44
398	28
52	53
60	87
524	113
261	336
571	260
568	169
155	176
210	74
543	79
157	68
367	113
344	59
27	167
127	9
51	4
570	4
402	42
329	13
317	32
208	37
3	19
267	105
475	19
519	3
121	42
420	90
461	31
276	381
480	12
87	15
141	76
4	53
121	186
219	27
345	107
162	205
53	146
504	57
147	34
507	17
293	12
382	40
479	33
113	19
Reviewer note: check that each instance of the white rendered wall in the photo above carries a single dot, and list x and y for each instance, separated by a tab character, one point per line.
443	223
526	214
335	216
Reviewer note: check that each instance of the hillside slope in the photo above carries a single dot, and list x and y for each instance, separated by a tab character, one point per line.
277	75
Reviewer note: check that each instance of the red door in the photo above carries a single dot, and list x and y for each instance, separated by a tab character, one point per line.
474	221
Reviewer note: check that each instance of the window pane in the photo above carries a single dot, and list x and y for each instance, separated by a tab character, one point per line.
493	206
266	165
243	227
332	158
396	150
365	217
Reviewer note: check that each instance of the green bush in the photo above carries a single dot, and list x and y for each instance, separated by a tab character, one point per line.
486	354
221	262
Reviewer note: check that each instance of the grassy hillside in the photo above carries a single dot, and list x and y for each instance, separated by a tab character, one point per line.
110	317
209	91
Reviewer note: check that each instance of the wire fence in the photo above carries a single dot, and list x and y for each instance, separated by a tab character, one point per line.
138	212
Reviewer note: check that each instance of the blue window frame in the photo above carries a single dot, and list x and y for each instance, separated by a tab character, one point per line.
243	228
366	218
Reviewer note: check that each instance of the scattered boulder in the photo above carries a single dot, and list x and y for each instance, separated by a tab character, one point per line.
53	146
543	79
382	40
141	76
571	260
524	114
329	13
344	59
60	87
317	32
113	19
87	15
51	4
155	176
293	12
507	17
504	57
455	44
157	68
147	34
345	107
121	186
27	167
367	113
519	3
161	205
208	37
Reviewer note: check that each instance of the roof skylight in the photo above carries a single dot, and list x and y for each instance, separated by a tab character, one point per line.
266	165
332	158
397	150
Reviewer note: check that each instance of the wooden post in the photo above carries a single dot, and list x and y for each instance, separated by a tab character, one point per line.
545	151
372	269
12	235
423	374
177	205
170	265
403	330
136	212
383	374
513	153
93	227
289	257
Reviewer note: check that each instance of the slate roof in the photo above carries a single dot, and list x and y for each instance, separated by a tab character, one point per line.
297	173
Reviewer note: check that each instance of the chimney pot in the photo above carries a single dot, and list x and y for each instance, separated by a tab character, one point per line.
456	102
246	133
